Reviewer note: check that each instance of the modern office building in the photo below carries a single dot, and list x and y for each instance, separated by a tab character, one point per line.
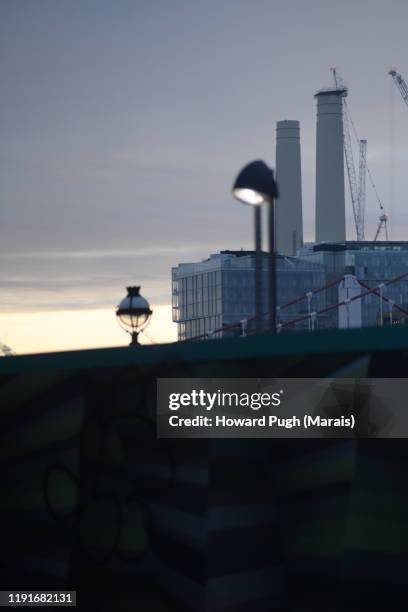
373	264
219	292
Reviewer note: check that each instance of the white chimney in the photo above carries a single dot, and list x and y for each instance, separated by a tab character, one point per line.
330	204
288	215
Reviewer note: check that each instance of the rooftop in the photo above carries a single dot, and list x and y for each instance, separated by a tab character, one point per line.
366	245
332	90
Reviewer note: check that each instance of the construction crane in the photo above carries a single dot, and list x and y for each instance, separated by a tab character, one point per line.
357	190
361	194
358	193
403	89
400	83
383	222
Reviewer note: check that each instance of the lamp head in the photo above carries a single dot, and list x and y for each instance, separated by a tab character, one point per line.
255	184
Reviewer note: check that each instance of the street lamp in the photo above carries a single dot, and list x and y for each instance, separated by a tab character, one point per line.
248	196
133	313
255	185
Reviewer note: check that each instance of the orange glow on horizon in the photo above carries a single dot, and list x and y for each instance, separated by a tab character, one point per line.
63	330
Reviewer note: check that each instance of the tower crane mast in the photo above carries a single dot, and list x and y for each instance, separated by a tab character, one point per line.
357	190
361	195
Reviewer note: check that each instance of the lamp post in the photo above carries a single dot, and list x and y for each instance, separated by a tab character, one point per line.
255	185
258	269
133	313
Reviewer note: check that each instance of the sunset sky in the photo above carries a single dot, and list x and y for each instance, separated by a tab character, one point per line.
124	122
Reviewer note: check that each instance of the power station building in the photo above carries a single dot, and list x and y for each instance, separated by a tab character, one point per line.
219	292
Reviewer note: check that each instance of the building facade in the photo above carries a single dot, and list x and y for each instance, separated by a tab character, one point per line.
373	264
215	297
218	293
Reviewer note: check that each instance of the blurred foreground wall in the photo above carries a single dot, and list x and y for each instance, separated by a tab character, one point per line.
91	500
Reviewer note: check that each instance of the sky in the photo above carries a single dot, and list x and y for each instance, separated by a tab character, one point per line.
124	122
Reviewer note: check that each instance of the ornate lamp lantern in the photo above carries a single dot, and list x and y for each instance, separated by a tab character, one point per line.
133	313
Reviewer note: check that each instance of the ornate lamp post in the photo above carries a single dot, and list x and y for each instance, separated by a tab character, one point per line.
133	313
